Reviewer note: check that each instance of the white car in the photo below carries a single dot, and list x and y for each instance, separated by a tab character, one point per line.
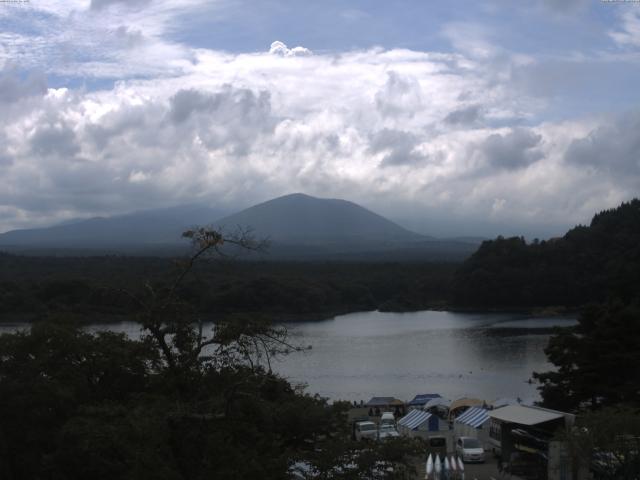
387	431
366	431
470	450
387	419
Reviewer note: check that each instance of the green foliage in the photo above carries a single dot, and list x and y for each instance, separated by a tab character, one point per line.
32	286
607	442
75	406
47	375
588	264
180	403
597	361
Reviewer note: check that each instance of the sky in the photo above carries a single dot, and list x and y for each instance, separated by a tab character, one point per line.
452	118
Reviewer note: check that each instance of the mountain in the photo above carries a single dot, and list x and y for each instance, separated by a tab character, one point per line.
300	219
298	227
158	227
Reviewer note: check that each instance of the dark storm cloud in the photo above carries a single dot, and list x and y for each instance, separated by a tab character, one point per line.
186	102
128	37
137	122
231	117
55	140
398	147
613	148
465	116
399	97
516	149
14	87
5	158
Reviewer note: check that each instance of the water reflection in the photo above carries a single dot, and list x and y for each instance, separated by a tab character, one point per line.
372	353
360	355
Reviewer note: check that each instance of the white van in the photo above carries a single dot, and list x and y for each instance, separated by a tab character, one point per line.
470	450
387	419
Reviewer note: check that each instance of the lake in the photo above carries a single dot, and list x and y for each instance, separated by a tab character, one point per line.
359	355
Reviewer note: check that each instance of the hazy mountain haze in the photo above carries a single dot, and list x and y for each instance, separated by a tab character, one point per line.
298	226
302	219
159	226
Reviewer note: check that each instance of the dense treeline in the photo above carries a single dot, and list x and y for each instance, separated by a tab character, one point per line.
597	360
595	374
181	403
589	264
30	286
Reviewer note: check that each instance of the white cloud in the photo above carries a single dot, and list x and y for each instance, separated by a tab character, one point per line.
386	127
280	49
629	34
612	149
471	38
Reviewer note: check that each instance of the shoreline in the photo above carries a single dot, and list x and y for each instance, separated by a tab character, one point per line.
292	318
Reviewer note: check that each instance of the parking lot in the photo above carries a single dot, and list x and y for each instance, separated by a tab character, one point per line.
478	471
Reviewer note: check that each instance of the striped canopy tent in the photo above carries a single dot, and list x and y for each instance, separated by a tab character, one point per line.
474	422
474	417
415	420
462	403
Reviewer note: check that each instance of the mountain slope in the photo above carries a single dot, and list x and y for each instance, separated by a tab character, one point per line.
151	227
300	219
299	227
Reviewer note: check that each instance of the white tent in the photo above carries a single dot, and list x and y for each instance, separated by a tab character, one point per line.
418	423
474	422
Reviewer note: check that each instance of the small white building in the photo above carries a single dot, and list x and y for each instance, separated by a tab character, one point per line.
474	422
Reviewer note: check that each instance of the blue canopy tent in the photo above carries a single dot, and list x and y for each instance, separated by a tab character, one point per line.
422	399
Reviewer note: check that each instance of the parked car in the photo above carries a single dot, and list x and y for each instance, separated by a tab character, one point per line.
387	431
365	431
469	449
387	419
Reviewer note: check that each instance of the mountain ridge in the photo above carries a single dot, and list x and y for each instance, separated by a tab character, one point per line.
298	218
298	226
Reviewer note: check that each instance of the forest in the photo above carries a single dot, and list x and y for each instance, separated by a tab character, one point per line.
180	403
183	403
588	264
90	286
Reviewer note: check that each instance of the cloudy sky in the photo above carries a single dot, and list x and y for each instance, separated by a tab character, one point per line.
454	118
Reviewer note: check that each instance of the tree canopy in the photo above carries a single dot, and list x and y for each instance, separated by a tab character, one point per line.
588	264
178	403
597	362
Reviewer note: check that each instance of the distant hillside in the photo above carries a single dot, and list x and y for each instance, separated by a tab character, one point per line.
300	219
299	227
589	264
159	227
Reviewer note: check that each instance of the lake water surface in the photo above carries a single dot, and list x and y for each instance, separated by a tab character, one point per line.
359	355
